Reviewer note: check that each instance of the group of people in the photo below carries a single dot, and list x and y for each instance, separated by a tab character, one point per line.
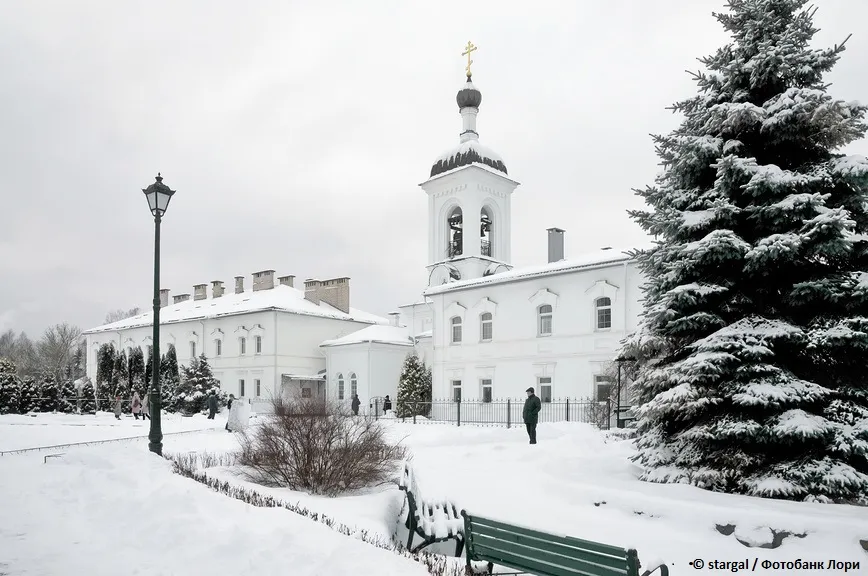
355	403
140	406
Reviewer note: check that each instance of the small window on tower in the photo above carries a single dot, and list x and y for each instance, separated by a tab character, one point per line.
485	247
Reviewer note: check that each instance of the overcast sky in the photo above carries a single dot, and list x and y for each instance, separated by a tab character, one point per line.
296	133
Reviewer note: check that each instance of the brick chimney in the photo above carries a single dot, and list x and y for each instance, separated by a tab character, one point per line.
394	318
164	297
180	298
217	288
556	244
239	284
287	280
263	280
200	291
336	292
312	290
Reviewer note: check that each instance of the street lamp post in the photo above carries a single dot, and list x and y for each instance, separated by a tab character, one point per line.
619	423
158	195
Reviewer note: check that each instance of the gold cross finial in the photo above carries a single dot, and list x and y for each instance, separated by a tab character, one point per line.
467	51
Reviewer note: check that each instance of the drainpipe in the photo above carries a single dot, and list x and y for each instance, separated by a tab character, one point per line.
626	301
276	375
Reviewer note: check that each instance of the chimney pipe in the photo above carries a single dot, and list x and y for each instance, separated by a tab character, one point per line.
556	244
263	280
164	297
200	291
393	318
312	290
217	288
336	293
239	284
180	298
287	280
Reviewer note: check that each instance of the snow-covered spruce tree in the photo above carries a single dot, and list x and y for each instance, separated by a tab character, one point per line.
149	369
169	379
28	395
105	364
120	377
87	397
9	387
136	370
191	393
49	393
414	388
68	399
752	347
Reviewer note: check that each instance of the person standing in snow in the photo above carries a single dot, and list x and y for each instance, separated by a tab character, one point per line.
146	406
530	414
136	404
118	407
355	404
212	405
387	404
229	408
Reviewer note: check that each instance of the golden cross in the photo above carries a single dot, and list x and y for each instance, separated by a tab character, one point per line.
467	51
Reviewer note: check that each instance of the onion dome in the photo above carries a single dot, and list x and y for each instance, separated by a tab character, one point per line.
468	96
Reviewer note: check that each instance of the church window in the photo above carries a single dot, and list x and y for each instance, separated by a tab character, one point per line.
604	312
241	389
192	349
218	347
485	246
242	346
544	314
486	325
354	385
257	344
340	386
258	384
545	389
455	237
486	389
456	330
603	387
456	390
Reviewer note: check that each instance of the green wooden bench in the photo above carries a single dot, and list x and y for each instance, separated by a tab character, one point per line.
534	552
431	521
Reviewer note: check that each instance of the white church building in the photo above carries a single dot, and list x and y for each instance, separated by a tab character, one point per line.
486	329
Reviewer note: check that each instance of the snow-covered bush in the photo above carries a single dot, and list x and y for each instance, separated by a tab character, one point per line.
191	394
87	397
316	446
9	387
68	399
49	394
414	389
28	395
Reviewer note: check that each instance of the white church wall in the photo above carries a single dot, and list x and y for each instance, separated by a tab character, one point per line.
518	355
386	365
346	362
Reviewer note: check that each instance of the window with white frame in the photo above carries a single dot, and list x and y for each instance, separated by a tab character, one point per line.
602	388
242	346
192	349
456	390
604	312
354	385
257	344
456	330
544	323
485	384
241	387
257	384
218	347
545	388
340	386
486	325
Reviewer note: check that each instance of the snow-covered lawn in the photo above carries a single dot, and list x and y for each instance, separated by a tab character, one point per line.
18	432
103	509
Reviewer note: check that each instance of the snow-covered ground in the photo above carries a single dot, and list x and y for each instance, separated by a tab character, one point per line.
102	509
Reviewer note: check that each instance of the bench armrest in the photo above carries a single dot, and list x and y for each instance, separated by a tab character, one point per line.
664	570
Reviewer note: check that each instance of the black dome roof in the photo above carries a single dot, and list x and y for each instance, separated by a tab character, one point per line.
468	96
466	154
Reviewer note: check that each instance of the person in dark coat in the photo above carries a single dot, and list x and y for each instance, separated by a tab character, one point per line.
355	404
229	407
212	405
530	414
387	404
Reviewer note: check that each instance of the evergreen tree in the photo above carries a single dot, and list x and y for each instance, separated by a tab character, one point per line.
28	396
136	370
105	365
67	402
751	349
49	393
87	397
120	377
9	387
191	394
149	369
169	380
414	388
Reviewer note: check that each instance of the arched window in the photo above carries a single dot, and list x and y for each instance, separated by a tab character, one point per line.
456	330
455	233
486	324
354	385
604	312
544	324
340	386
486	247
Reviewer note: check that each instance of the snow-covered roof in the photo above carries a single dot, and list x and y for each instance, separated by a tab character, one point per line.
466	153
282	298
425	334
595	259
396	335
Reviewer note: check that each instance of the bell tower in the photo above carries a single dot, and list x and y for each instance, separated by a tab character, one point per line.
469	201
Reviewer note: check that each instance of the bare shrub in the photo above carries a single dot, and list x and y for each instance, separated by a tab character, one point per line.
318	447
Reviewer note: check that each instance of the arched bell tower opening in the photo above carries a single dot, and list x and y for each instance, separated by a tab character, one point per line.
455	233
486	236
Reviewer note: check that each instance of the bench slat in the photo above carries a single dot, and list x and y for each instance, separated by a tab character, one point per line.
572	557
492	527
519	562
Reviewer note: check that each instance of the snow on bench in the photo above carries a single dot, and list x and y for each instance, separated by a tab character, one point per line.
433	521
